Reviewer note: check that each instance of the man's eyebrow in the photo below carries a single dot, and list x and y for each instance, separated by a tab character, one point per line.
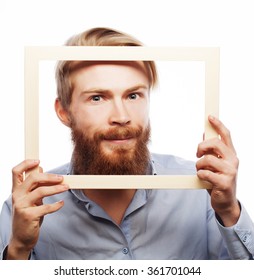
136	88
101	90
95	90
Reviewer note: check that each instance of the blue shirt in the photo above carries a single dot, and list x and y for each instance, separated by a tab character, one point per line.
158	224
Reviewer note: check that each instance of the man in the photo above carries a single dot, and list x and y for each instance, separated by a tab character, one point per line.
106	106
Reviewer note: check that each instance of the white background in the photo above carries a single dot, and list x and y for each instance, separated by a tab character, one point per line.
226	24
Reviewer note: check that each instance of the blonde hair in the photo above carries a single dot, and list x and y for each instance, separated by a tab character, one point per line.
95	37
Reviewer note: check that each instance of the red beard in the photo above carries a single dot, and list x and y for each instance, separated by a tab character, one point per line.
90	159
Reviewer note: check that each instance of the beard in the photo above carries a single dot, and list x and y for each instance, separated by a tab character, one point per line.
89	157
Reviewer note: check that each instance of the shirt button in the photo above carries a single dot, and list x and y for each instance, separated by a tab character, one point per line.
125	250
244	238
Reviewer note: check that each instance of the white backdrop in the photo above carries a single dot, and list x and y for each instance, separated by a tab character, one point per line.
226	24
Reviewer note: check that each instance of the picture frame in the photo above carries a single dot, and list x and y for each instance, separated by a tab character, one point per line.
33	55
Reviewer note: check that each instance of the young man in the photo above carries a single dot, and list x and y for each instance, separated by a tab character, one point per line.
106	106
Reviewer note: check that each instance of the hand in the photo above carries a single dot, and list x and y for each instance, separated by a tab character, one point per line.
28	208
219	165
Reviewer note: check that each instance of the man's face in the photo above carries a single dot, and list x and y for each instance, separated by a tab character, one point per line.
110	118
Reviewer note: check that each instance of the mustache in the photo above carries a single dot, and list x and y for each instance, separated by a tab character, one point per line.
119	133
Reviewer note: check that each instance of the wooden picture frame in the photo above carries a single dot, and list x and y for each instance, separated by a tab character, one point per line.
33	55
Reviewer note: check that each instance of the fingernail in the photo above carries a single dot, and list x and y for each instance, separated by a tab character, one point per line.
59	202
59	177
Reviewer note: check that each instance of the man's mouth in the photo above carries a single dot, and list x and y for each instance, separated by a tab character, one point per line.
121	137
119	140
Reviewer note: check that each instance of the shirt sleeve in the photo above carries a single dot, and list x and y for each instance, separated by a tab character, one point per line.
239	239
5	227
3	253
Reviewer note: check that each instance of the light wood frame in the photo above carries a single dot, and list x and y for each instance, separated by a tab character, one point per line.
33	55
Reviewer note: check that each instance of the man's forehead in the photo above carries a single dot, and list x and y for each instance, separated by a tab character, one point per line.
78	65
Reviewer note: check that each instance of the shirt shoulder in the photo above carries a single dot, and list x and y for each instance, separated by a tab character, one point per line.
61	170
172	165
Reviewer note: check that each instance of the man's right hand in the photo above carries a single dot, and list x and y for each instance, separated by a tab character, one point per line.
28	209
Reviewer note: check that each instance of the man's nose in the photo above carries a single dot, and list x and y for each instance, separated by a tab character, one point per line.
119	114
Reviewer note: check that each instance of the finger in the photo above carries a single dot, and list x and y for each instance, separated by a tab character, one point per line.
215	147
222	131
208	152
220	182
209	162
18	171
42	210
36	179
42	192
209	176
214	164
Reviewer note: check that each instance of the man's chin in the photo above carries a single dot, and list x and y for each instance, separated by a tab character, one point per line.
118	154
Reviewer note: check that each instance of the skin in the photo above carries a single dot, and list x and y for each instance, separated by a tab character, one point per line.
102	99
28	210
218	164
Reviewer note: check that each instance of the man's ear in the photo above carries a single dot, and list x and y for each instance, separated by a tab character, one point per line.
62	114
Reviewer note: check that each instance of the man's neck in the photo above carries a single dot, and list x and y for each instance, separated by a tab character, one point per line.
114	202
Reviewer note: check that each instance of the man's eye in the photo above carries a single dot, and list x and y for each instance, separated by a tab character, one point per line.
133	96
96	98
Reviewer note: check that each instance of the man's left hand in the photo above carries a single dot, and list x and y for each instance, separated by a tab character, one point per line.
218	164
